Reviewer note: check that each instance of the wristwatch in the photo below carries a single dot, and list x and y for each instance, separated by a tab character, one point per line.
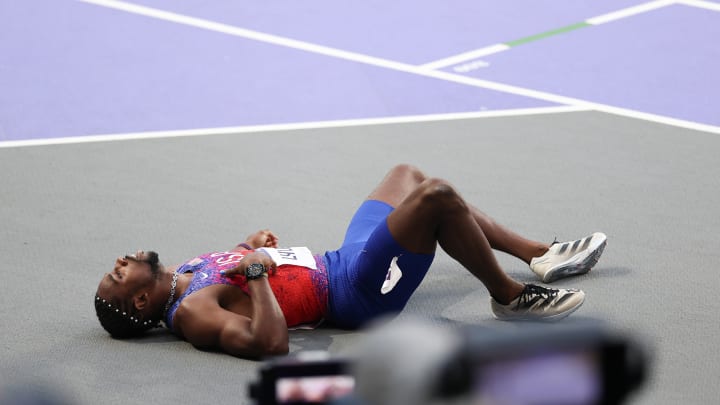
255	271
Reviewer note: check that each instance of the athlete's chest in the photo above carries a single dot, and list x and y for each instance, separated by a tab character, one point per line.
228	297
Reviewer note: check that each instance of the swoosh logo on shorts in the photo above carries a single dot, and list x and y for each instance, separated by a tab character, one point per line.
204	276
393	276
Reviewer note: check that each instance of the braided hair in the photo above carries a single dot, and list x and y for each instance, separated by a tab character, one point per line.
121	324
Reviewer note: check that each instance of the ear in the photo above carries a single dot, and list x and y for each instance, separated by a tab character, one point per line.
140	301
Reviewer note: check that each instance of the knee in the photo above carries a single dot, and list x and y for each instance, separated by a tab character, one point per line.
441	194
409	171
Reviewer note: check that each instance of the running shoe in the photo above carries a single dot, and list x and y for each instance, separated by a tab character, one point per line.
565	259
537	303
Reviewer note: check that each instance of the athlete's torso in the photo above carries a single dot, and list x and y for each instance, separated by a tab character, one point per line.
300	291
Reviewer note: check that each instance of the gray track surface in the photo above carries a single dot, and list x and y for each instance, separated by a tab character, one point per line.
68	211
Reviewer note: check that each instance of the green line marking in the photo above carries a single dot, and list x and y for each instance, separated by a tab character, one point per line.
547	34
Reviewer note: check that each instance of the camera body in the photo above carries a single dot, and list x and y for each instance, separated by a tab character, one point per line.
575	364
305	378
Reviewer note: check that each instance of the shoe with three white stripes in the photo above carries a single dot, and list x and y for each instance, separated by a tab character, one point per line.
565	259
537	303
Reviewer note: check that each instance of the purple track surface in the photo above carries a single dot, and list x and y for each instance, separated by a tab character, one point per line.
71	68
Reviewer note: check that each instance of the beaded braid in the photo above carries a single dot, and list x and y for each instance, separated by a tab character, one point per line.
121	324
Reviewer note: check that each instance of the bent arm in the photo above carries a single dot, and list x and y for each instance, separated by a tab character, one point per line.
265	333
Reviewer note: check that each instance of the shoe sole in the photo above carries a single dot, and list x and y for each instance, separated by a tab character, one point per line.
551	318
576	269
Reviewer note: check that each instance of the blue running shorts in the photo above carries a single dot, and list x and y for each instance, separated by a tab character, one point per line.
358	270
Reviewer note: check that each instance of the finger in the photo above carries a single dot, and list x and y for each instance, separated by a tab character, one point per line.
231	272
271	266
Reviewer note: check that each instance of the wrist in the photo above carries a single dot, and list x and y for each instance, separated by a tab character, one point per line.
255	271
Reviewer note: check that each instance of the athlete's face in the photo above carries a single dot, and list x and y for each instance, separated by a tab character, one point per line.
130	273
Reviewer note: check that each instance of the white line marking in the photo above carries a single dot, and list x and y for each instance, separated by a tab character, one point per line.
402	67
454	60
290	127
248	34
470	66
323	50
573	101
489	50
629	12
659	119
702	4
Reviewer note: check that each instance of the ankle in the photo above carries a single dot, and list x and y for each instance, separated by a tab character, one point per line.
537	250
541	249
509	294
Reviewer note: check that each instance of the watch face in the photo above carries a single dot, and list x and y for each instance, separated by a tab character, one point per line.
255	270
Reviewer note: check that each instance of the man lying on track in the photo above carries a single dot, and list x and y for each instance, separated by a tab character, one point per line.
244	300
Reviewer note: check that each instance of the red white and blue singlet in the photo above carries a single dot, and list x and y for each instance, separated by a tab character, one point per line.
301	292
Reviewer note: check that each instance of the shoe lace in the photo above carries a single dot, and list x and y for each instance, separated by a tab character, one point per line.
555	241
531	291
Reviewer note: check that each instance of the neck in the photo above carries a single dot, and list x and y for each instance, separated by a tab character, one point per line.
161	291
164	289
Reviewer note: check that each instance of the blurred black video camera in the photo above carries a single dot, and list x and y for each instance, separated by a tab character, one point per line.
419	363
305	378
